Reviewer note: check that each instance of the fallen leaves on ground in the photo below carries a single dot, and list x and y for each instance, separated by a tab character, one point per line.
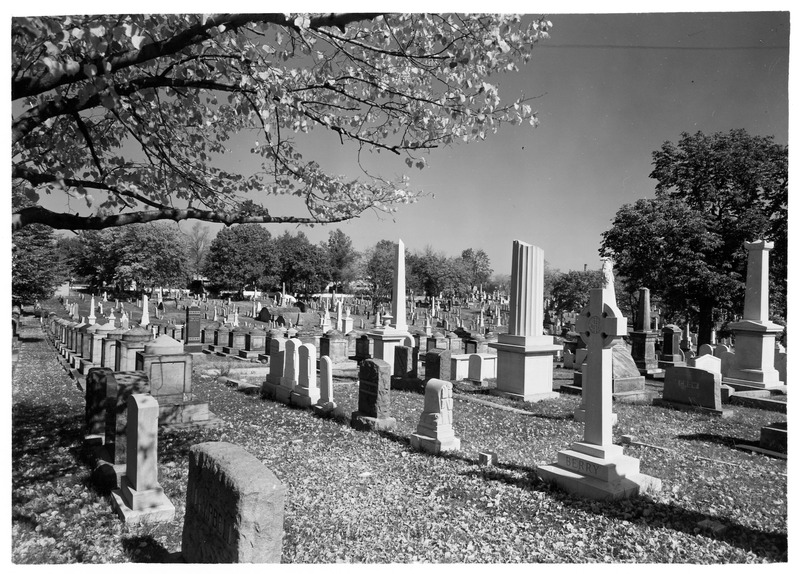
368	497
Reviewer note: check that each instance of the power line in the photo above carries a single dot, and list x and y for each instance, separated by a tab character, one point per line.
699	48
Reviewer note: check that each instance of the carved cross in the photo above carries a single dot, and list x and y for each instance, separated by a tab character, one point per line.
600	322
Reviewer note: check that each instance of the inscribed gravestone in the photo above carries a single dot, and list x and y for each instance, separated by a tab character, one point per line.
693	386
374	397
191	331
435	429
437	364
234	507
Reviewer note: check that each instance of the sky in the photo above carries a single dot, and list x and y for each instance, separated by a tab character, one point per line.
609	90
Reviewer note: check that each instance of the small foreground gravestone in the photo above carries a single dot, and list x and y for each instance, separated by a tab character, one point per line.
140	497
234	507
435	429
374	397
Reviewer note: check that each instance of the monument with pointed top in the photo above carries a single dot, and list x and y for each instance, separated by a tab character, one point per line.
524	354
394	329
754	360
595	467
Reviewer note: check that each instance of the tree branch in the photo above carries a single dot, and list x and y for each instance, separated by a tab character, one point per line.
38	214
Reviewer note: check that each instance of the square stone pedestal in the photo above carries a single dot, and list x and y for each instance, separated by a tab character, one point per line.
434	445
754	359
384	340
598	472
133	506
525	367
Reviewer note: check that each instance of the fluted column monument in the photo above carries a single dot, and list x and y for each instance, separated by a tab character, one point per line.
524	354
754	361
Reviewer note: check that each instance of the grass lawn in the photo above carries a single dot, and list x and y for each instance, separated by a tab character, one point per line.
367	497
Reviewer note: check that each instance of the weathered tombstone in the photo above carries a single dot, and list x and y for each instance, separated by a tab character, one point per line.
437	364
306	393
707	362
524	355
596	467
140	497
234	507
671	355
291	367
482	366
95	408
693	387
333	344
191	332
325	403
405	364
374	397
362	348
643	340
435	429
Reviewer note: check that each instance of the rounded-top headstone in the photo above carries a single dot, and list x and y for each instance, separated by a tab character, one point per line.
164	345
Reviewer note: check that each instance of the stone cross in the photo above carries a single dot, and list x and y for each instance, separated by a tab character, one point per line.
599	324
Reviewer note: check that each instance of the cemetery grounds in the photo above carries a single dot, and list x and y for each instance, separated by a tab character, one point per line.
367	497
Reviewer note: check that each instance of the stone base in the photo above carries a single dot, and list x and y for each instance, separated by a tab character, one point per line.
433	445
141	507
85	366
283	394
186	412
653	372
263	358
529	398
269	390
525	366
693	408
627	384
747	385
249	355
301	400
323	409
613	476
362	422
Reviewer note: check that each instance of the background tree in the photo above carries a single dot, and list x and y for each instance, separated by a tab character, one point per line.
152	255
378	271
570	291
241	256
713	194
95	258
476	266
343	259
36	268
303	266
132	112
199	240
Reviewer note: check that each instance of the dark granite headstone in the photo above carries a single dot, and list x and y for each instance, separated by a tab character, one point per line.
191	332
437	364
693	386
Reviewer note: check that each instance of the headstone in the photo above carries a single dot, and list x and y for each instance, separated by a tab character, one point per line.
140	497
291	368
437	364
435	429
306	393
325	404
191	332
707	362
234	507
671	355
693	387
524	355
596	467
374	397
482	366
